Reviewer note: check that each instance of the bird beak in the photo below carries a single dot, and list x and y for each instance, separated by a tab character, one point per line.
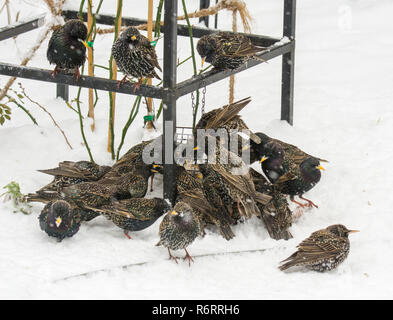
154	171
174	213
85	44
263	159
196	148
199	175
321	168
133	38
353	231
58	221
155	165
203	61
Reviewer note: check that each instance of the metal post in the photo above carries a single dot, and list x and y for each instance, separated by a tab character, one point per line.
203	4
288	62
169	110
62	91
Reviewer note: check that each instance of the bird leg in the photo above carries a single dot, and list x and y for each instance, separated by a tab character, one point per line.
127	235
54	72
171	257
138	84
77	74
302	205
310	203
119	83
188	257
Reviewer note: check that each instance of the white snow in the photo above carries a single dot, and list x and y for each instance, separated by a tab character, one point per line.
343	113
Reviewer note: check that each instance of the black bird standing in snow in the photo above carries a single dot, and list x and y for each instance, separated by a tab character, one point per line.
134	214
179	229
323	251
290	169
67	47
225	50
59	219
135	56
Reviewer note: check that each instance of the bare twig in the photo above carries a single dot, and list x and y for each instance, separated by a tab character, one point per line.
47	112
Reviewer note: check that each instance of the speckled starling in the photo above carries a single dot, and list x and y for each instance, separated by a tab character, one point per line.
50	197
323	251
135	56
186	181
59	219
69	173
276	214
225	50
226	117
179	229
134	214
291	170
67	47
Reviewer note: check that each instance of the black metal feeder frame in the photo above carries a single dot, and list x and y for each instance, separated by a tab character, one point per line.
171	90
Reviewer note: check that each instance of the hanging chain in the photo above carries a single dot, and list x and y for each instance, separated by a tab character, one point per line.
203	97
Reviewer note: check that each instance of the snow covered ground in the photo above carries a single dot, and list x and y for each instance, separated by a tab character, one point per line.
343	112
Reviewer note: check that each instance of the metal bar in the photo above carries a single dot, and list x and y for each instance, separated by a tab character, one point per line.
62	91
288	63
17	28
213	76
203	4
169	112
84	81
216	18
182	29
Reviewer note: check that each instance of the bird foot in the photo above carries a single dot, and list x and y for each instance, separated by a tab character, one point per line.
77	75
309	203
54	72
127	235
188	257
119	83
137	85
172	257
297	213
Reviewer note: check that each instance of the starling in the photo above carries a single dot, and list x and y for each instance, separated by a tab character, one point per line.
135	56
276	214
227	184
67	47
225	50
186	181
69	173
134	214
227	118
179	229
290	169
205	213
323	251
59	219
47	197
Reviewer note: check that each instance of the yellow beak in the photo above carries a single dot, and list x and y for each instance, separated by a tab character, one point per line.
203	61
320	167
196	148
353	231
263	159
133	38
199	175
85	44
174	213
58	221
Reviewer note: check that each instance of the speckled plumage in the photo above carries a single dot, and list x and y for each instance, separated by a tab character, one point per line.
227	118
276	214
226	50
59	219
290	169
69	173
135	214
66	49
134	55
179	229
322	251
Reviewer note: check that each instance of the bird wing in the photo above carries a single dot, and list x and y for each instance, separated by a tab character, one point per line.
69	169
227	113
320	243
238	45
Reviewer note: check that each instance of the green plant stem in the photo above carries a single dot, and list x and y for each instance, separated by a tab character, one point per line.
23	108
157	27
